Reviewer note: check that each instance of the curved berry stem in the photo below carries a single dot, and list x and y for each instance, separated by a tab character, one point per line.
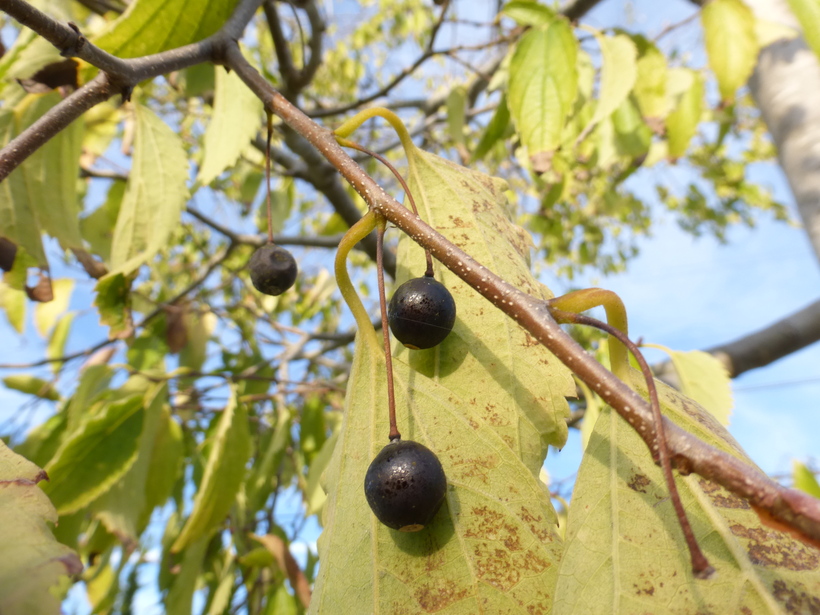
700	565
381	225
352	144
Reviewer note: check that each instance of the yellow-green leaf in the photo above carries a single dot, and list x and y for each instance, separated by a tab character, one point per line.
808	14
704	379
495	129
151	26
96	455
155	196
685	88
542	88
235	121
456	109
486	401
46	314
731	43
31	560
528	12
26	383
618	73
805	480
625	552
14	302
650	83
224	475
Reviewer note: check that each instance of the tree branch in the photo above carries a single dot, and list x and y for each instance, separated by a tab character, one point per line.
789	507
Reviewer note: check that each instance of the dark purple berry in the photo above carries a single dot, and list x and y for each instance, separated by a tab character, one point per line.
421	313
273	269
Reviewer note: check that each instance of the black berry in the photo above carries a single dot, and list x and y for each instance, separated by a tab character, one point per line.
405	485
273	269
421	313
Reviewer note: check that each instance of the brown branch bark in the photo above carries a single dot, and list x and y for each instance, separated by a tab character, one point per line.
785	506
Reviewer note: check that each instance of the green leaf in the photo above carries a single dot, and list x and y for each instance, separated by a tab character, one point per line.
41	194
46	314
97	226
96	455
456	108
44	440
224	474
166	461
528	12
14	302
650	82
808	15
805	480
486	401
58	339
704	379
731	43
685	87
32	385
495	129
93	385
542	88
179	600
151	26
623	539
122	508
266	466
155	196
315	496
31	560
235	121
113	302
618	74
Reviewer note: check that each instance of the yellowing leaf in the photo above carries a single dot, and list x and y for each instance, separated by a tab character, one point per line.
685	87
155	196
224	475
543	87
31	560
808	14
14	302
805	480
650	83
151	26
704	379
731	43
235	121
46	314
618	74
486	401
95	456
625	551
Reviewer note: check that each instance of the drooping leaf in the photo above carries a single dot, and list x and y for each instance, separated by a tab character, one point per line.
113	302
96	227
151	26
235	121
166	462
26	383
456	111
808	14
224	475
179	600
96	455
731	43
46	314
685	88
14	302
58	339
542	88
122	508
805	480
623	540
41	194
650	83
31	560
704	379
155	196
486	401
618	73
495	129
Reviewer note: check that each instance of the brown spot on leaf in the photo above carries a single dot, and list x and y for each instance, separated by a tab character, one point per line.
776	549
638	483
720	497
435	596
494	565
536	524
493	525
795	601
646	590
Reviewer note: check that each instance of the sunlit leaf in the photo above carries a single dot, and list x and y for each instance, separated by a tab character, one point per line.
236	119
31	560
623	540
151	26
95	456
26	383
618	74
528	12
731	43
494	544
179	599
46	314
155	196
685	87
14	302
650	83
808	14
456	109
224	474
805	480
542	87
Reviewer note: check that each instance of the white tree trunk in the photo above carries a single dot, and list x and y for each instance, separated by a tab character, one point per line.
786	87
